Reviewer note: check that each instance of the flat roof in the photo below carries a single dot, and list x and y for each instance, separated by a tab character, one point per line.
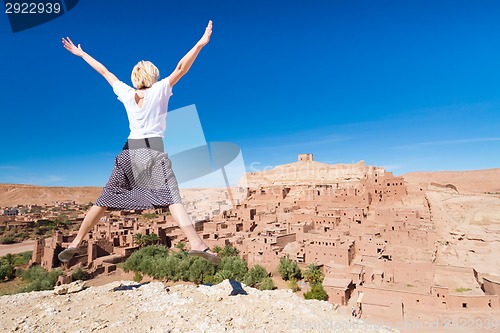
337	283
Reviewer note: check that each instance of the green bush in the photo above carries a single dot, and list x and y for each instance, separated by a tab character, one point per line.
170	267
19	237
200	270
7	271
137	277
146	240
79	274
316	292
289	269
160	263
223	275
181	246
22	258
7	240
293	284
237	266
156	262
182	270
136	261
39	279
151	239
255	275
266	284
226	251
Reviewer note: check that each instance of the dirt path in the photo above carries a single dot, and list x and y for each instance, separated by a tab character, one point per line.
27	245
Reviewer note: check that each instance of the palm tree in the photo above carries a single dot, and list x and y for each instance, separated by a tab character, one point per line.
181	246
139	239
151	239
229	251
217	249
313	274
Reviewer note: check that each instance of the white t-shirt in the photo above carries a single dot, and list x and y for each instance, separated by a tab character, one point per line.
151	119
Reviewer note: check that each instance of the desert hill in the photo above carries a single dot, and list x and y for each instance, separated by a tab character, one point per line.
12	195
478	181
131	307
465	210
311	172
19	194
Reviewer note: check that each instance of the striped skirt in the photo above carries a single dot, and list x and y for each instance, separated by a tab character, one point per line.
142	178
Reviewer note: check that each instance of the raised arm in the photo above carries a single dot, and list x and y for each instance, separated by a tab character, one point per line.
68	45
185	63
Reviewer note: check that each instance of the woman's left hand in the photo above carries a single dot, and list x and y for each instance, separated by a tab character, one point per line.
206	36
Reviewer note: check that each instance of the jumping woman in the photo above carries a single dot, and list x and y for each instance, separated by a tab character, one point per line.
142	177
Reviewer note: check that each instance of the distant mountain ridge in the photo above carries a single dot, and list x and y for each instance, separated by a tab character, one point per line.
21	194
479	181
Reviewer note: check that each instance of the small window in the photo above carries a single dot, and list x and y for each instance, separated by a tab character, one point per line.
464	305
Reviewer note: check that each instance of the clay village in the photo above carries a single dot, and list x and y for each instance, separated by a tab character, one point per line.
386	248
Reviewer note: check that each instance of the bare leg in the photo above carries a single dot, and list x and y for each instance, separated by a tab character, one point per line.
183	220
90	220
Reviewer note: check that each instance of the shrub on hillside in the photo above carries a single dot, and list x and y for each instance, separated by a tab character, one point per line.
79	274
222	275
255	275
316	292
237	266
201	271
289	269
293	284
136	260
226	251
39	279
22	258
7	271
7	240
266	284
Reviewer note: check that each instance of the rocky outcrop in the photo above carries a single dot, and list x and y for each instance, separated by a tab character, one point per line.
126	306
310	173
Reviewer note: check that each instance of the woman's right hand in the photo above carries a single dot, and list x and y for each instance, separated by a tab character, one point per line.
68	45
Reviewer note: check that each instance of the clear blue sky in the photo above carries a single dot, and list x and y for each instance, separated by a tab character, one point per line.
408	85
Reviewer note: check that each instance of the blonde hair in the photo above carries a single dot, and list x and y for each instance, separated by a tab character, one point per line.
144	74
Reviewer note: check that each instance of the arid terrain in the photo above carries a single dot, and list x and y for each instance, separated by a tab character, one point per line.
467	219
12	195
130	307
476	181
464	210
